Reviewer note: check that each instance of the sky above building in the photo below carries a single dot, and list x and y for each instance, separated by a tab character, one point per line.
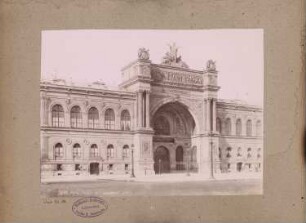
85	56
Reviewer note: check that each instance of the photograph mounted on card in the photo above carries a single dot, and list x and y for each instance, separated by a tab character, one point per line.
135	112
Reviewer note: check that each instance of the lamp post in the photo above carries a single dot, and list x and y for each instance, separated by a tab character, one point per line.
159	163
132	172
211	160
188	160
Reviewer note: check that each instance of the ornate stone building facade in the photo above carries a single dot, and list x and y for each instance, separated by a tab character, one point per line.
163	118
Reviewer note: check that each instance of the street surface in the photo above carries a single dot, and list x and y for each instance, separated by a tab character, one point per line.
130	187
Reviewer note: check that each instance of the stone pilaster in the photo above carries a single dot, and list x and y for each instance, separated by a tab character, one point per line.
139	105
148	109
214	114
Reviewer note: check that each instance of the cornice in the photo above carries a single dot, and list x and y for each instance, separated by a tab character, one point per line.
237	106
75	90
164	66
85	130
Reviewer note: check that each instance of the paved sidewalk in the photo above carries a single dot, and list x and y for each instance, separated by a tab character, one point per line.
175	177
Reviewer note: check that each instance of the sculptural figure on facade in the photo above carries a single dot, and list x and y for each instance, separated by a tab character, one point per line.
211	65
171	58
143	54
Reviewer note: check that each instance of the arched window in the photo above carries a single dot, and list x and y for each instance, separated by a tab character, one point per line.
110	151
58	116
258	128
249	128
239	152
249	153
76	152
93	118
76	117
228	154
58	151
94	151
219	125
125	121
162	126
228	126
258	153
125	151
238	127
109	119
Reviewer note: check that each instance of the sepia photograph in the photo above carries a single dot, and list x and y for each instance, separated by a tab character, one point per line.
151	112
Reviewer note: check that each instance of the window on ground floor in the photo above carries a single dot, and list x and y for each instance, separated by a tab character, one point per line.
229	150
77	167
239	153
76	151
110	166
110	151
228	167
125	152
59	167
239	167
94	151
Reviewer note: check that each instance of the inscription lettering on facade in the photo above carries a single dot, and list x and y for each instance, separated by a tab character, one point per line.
177	77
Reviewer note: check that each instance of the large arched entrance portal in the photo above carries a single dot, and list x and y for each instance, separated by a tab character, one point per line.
173	127
161	160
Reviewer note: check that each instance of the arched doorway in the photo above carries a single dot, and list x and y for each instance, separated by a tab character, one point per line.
161	160
173	126
179	158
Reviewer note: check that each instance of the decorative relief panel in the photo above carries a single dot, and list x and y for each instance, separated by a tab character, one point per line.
146	149
86	142
69	141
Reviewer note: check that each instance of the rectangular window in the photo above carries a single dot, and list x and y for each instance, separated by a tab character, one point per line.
126	167
228	167
59	167
77	167
110	167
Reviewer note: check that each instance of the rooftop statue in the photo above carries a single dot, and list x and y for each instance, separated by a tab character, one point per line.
211	65
171	58
143	54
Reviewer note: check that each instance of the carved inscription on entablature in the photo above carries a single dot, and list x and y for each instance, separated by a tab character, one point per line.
182	77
